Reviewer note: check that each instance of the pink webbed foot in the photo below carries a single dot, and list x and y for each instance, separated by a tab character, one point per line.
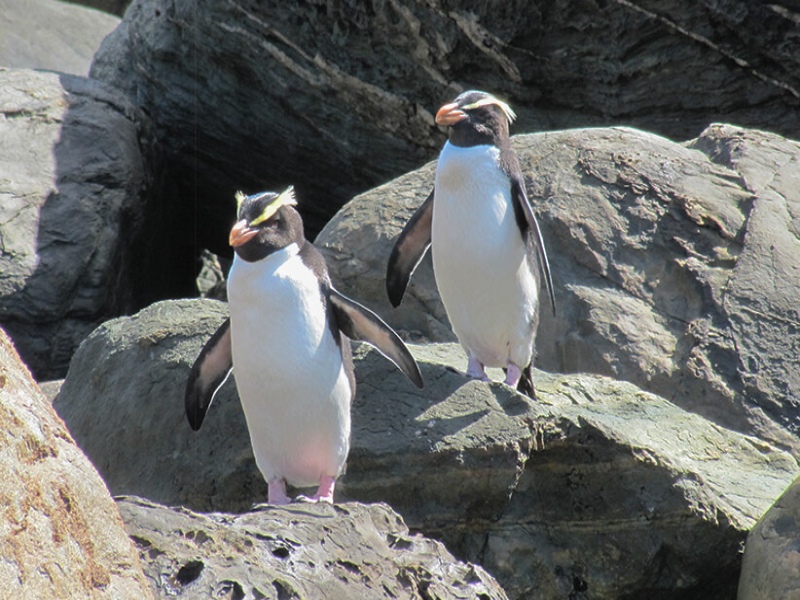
277	492
475	369
513	375
324	492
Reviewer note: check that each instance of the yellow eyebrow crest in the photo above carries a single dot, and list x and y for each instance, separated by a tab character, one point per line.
507	110
285	199
239	199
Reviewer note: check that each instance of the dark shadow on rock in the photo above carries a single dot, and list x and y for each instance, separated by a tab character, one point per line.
96	164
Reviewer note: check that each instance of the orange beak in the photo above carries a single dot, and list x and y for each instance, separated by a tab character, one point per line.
241	234
450	114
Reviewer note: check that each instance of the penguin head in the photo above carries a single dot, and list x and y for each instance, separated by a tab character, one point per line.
266	222
476	118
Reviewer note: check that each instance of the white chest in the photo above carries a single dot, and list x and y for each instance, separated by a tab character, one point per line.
472	208
479	256
474	230
277	312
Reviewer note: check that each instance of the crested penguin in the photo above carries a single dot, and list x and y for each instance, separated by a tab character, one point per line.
489	258
286	341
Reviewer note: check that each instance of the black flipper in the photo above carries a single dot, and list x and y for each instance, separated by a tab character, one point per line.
411	245
211	369
521	203
359	323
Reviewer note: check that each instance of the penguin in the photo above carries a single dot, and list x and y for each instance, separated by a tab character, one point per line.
286	341
489	258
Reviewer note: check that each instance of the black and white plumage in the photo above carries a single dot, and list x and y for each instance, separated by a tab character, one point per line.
489	258
287	343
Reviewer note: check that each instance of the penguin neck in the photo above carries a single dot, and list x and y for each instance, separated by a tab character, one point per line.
270	262
466	134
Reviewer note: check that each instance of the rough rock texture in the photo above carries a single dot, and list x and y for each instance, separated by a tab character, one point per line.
675	266
301	551
598	486
337	97
51	35
60	533
76	171
771	563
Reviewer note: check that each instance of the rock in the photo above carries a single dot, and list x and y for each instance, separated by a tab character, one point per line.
162	339
50	389
357	242
299	551
51	35
673	264
211	279
61	535
770	564
598	486
75	175
308	135
339	97
115	7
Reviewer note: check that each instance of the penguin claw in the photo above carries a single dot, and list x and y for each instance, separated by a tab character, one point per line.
324	492
314	499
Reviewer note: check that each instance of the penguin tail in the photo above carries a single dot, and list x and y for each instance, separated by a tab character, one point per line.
525	385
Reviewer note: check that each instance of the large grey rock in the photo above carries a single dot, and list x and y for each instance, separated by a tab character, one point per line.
770	567
674	265
51	35
301	551
61	535
339	97
598	486
76	171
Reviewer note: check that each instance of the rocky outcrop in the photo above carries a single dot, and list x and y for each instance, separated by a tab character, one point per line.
769	567
674	265
598	486
339	97
60	532
300	551
76	173
51	35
